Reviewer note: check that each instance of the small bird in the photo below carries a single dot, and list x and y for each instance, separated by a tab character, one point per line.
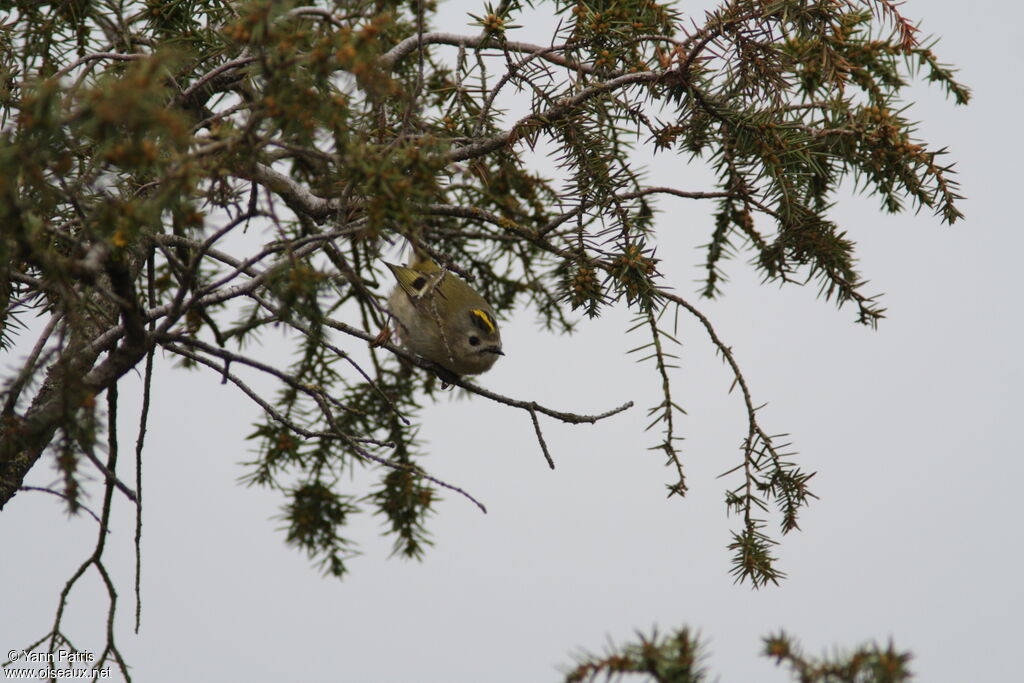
443	319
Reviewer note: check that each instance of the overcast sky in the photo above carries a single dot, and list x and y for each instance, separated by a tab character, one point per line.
913	430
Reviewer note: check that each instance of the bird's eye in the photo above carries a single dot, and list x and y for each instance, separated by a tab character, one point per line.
474	340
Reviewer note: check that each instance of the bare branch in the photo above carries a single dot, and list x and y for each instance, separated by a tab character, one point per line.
405	48
59	494
540	438
570	418
291	192
96	56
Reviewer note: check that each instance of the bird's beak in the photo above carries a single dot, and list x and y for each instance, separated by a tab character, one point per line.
495	350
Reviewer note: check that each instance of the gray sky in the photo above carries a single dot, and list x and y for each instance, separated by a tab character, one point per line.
911	429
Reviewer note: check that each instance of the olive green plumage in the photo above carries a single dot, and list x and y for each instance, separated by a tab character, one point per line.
467	342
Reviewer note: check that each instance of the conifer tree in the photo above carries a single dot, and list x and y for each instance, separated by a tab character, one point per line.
178	176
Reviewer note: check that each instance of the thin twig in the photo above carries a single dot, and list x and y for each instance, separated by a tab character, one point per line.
213	73
117	56
571	418
269	409
362	452
540	438
111	476
390	58
44	489
30	365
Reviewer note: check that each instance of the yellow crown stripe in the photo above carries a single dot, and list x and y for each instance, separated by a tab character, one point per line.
486	318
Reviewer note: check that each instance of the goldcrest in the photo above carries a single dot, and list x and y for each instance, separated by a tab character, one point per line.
443	319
